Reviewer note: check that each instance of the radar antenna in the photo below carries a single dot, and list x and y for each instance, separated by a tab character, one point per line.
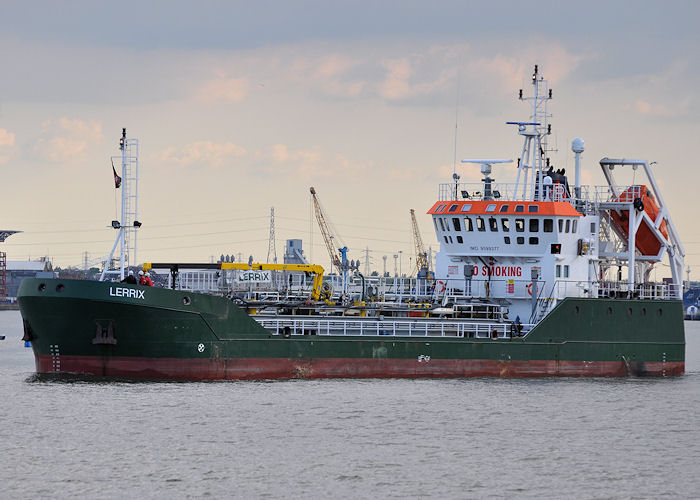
486	169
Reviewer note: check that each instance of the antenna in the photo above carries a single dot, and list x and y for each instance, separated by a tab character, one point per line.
535	133
459	78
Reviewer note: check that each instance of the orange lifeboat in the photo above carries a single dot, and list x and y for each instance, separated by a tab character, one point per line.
645	240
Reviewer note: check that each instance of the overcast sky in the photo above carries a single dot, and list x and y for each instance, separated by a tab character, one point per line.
241	106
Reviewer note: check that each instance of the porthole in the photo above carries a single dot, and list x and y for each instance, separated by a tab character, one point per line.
644	311
576	310
42	287
60	287
186	300
610	310
629	311
661	312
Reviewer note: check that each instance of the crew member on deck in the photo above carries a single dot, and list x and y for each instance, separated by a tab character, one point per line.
130	278
144	279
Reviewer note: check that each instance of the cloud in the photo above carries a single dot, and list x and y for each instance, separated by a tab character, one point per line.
332	74
282	159
334	65
314	163
223	89
6	138
203	154
7	141
67	140
510	73
412	77
646	108
396	85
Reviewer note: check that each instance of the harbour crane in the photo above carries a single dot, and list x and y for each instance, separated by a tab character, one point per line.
324	226
422	263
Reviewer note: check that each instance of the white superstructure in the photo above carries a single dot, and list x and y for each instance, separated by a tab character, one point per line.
528	244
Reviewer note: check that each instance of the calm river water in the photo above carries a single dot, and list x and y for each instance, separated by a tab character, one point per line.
552	438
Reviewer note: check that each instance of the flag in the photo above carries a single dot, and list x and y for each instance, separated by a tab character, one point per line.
117	179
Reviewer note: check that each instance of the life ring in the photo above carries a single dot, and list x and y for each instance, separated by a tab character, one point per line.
529	289
440	286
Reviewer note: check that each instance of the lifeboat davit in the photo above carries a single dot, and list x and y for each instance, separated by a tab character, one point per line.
645	240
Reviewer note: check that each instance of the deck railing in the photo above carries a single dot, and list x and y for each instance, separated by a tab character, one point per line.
447	290
392	328
506	191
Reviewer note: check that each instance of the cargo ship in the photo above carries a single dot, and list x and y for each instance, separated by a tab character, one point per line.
534	278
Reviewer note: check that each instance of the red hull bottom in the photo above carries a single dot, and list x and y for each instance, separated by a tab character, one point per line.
283	368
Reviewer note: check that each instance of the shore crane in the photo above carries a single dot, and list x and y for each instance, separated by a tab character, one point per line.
422	263
338	260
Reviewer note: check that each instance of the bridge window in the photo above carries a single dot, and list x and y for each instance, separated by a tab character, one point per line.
520	225
574	223
505	224
566	271
567	225
455	221
558	271
442	226
548	225
592	227
534	240
520	240
506	240
493	224
435	222
467	207
450	239
453	208
480	225
468	224
504	208
446	240
491	208
519	208
561	225
459	239
533	209
534	225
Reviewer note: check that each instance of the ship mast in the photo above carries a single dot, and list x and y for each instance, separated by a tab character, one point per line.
129	223
533	158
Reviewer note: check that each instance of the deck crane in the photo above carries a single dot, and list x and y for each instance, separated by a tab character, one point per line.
422	263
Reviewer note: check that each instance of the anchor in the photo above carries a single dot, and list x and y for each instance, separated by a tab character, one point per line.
104	336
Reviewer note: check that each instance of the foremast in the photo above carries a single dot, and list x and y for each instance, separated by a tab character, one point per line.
129	224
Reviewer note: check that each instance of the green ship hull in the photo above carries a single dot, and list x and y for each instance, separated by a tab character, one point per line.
116	330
